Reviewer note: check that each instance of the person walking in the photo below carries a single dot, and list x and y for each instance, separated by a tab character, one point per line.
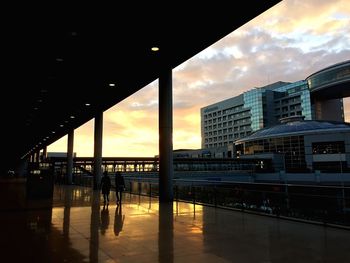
105	187
119	186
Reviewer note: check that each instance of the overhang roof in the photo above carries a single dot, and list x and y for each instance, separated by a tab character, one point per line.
57	59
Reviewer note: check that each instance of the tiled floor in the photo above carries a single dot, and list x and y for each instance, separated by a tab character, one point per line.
78	229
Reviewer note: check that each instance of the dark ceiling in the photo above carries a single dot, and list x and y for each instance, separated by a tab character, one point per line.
57	59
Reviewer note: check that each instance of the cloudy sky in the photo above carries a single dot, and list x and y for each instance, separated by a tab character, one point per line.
288	42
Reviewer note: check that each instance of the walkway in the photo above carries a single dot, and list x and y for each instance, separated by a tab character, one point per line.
77	229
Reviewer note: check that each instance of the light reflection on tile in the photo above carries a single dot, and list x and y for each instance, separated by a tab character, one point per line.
79	229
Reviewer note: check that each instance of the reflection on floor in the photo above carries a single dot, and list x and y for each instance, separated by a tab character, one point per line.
77	228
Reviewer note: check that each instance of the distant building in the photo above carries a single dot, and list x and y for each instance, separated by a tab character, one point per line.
224	122
218	152
296	145
319	97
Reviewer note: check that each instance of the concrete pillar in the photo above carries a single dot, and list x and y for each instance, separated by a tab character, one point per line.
98	149
94	229
165	136
44	153
37	156
70	156
329	110
166	233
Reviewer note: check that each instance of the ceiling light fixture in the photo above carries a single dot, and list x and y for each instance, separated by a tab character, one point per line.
155	49
87	104
111	84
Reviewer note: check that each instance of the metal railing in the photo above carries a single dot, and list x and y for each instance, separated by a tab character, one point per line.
328	205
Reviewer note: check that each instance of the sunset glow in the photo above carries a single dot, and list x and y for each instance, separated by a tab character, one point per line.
286	43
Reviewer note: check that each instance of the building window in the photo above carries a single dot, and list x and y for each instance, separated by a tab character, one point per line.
328	147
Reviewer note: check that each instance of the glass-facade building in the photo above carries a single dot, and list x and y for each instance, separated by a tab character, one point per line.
254	100
224	122
292	100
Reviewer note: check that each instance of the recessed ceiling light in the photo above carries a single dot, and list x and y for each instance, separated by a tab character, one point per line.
61	125
72	117
53	132
155	49
111	84
87	104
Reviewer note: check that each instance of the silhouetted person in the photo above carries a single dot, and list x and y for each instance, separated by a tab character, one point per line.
118	219
119	186
105	187
104	219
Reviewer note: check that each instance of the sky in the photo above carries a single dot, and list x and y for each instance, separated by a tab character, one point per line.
288	42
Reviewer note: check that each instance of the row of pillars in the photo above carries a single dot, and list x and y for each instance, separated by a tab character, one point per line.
165	141
35	157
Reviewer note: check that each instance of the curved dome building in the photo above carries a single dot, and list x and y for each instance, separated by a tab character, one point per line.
301	145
